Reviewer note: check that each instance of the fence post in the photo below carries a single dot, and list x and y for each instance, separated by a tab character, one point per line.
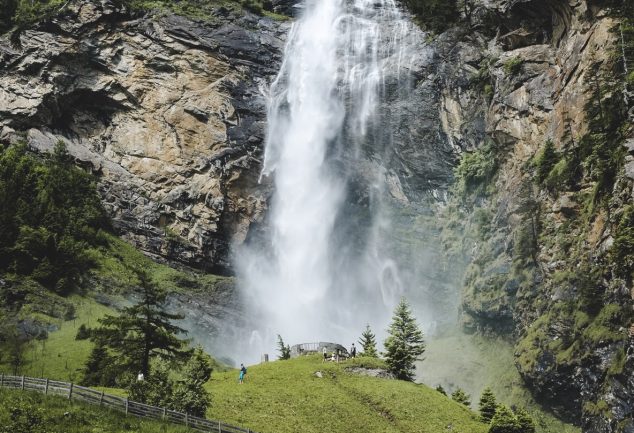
126	406
186	420
164	413
219	428
46	387
70	391
2	379
23	383
101	398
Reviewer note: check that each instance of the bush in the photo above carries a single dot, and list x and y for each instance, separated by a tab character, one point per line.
82	333
513	66
459	396
475	171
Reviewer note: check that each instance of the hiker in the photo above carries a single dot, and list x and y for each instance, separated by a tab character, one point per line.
353	351
325	352
243	372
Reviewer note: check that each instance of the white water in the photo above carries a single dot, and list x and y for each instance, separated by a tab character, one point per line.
321	272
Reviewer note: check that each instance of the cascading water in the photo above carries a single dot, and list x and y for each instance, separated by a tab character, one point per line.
321	272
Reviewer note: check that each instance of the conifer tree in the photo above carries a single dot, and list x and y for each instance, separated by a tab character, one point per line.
504	421
405	343
368	343
459	396
487	405
525	421
142	331
285	350
189	395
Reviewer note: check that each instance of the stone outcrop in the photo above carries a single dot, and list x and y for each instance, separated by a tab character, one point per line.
169	113
524	75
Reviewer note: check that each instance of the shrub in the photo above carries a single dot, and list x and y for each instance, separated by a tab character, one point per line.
459	396
513	66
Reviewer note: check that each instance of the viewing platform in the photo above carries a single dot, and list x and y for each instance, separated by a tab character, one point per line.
313	348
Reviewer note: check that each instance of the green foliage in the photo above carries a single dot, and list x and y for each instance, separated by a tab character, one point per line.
143	331
189	394
156	388
100	368
525	421
487	405
441	390
513	66
368	343
405	343
31	412
504	421
475	171
545	161
284	349
434	15
82	333
50	214
459	396
622	250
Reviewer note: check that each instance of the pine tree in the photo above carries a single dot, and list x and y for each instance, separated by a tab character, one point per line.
487	405
189	395
142	331
441	390
459	396
285	350
405	343
525	421
504	421
368	343
99	369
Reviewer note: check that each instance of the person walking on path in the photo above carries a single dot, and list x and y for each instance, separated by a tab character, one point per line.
325	352
353	351
243	372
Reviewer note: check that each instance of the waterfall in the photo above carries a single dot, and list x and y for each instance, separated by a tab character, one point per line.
319	272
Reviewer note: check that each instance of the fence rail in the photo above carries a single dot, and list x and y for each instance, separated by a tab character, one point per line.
129	407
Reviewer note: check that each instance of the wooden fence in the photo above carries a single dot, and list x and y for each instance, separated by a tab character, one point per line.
129	407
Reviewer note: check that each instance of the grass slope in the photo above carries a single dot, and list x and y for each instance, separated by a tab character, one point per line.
31	412
474	362
287	396
60	355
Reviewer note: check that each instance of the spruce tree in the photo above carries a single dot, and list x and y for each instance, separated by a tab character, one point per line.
525	421
504	421
459	396
368	343
285	350
405	343
189	395
142	331
487	405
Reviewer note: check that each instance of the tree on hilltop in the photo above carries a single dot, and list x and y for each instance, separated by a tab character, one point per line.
405	343
368	343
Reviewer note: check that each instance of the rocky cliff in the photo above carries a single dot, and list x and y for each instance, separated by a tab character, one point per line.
536	94
168	112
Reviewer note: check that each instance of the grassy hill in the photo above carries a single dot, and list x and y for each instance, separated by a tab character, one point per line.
30	412
287	396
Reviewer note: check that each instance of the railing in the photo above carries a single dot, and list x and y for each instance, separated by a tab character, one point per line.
129	407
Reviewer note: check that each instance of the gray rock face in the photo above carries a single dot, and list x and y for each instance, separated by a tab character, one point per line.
168	113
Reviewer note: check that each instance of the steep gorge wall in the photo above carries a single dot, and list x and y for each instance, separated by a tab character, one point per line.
168	112
541	207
